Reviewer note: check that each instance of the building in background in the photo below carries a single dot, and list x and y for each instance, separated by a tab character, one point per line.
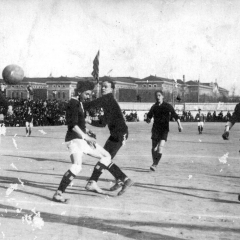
127	89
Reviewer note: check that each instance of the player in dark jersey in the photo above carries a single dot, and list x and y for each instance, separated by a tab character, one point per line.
79	142
160	112
29	121
233	119
200	119
113	117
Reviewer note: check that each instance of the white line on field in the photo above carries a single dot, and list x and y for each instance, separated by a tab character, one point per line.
119	155
132	211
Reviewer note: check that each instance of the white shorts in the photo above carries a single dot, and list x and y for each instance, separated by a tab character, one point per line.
78	146
200	124
29	124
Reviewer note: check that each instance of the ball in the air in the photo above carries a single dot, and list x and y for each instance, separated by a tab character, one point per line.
12	74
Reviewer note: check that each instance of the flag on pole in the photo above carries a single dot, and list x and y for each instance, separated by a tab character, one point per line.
95	72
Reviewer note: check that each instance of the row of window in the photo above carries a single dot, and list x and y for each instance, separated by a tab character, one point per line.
21	86
59	86
17	94
149	85
59	95
36	86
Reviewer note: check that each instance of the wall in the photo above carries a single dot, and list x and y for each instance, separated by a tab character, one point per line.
142	108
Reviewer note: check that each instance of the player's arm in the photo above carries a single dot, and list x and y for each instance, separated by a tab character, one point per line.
150	115
235	117
97	123
91	141
176	117
90	133
72	122
96	103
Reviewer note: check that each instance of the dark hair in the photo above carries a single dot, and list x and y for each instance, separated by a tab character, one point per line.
83	86
110	81
159	91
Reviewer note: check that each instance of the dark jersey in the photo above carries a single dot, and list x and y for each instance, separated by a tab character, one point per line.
28	117
200	117
113	116
74	116
161	115
236	114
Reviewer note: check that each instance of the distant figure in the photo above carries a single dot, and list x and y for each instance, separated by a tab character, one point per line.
200	119
29	122
139	99
220	116
228	116
214	116
209	116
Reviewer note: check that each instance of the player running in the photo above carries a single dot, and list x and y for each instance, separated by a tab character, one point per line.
113	117
160	112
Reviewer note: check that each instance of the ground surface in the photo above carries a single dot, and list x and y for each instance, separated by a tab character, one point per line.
193	195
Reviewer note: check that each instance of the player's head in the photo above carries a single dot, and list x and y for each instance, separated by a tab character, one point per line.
107	86
84	90
159	95
199	110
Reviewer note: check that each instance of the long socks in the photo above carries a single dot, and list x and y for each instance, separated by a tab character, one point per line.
66	180
98	169
116	172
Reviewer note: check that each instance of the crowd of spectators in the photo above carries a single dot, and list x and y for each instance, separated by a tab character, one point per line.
131	117
52	112
45	112
209	117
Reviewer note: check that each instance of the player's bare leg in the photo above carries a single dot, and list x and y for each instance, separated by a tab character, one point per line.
105	160
106	163
157	150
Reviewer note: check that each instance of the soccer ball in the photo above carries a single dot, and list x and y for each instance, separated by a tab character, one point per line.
12	74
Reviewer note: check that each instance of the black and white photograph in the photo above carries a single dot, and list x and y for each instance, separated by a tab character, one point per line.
119	120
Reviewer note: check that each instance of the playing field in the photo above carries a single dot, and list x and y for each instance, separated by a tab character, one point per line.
193	195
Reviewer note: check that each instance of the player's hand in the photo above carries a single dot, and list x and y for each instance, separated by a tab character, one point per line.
148	120
180	128
88	120
91	142
225	135
91	134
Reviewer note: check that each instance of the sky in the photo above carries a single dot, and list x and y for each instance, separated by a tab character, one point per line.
167	38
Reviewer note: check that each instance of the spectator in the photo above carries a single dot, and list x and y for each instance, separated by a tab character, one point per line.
209	116
44	112
220	116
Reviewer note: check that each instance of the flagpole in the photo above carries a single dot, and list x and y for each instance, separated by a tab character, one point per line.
95	72
98	89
